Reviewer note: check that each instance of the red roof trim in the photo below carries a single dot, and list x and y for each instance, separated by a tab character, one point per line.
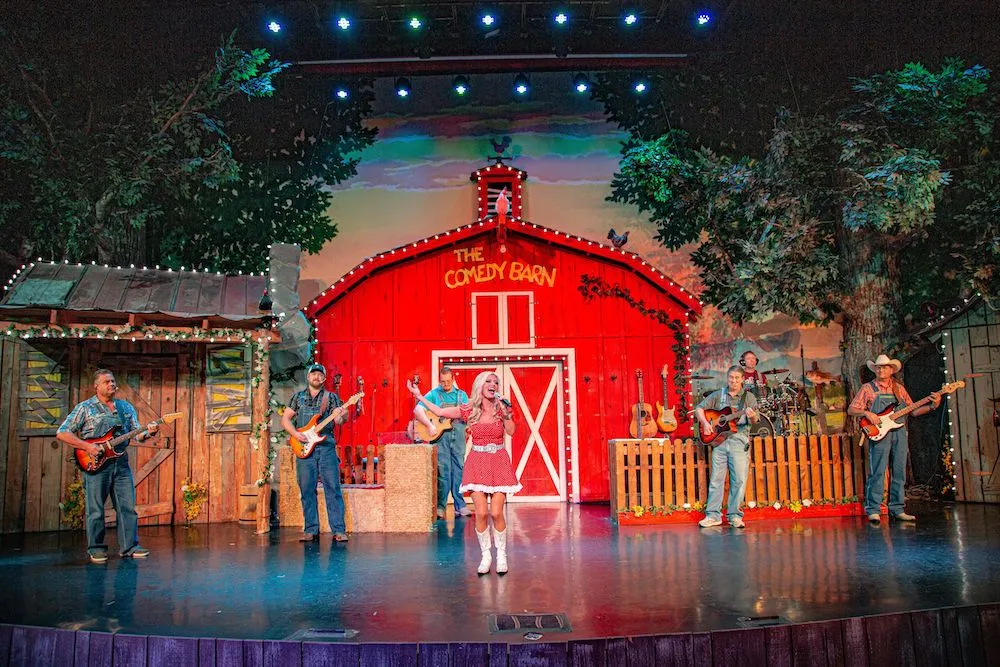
383	260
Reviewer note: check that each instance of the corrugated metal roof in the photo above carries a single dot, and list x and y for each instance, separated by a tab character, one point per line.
182	294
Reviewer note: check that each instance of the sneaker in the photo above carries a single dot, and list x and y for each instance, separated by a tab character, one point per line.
737	522
340	537
135	552
465	511
903	516
708	522
874	518
97	556
308	537
440	513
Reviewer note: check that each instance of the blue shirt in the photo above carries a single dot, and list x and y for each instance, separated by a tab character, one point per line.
92	418
447	399
307	406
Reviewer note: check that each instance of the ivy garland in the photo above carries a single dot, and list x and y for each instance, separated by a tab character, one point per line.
260	357
136	333
594	286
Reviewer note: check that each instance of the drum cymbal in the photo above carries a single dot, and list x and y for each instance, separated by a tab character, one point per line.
774	371
696	377
706	393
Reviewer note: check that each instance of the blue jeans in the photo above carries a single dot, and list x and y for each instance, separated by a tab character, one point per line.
731	456
115	479
451	462
892	446
323	466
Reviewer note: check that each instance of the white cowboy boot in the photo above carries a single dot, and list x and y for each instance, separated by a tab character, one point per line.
485	545
500	538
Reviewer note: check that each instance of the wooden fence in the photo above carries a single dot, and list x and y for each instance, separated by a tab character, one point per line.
361	464
658	472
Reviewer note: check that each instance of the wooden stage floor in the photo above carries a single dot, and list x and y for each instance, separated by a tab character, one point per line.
223	581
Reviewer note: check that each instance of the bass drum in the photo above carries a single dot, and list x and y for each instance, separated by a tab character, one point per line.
765	427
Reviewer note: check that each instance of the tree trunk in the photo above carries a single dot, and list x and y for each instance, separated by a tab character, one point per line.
870	315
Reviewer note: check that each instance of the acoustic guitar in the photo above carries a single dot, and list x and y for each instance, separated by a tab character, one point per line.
311	431
666	416
108	444
441	424
887	418
642	424
723	423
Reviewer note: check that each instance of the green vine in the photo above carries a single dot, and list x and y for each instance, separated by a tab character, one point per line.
595	286
72	503
135	333
277	438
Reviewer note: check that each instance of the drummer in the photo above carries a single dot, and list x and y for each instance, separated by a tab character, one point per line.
753	381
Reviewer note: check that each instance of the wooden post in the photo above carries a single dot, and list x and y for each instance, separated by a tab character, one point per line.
258	410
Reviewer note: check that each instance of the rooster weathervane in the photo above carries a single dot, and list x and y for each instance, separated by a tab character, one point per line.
500	147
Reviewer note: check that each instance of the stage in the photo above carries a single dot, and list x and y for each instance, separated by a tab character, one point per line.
222	581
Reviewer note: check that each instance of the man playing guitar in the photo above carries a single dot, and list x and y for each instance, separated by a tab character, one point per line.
323	463
94	418
733	453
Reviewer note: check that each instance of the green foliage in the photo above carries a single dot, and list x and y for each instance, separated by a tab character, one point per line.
835	200
199	172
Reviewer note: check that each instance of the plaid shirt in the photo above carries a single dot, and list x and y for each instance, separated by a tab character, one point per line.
864	398
721	399
93	419
307	406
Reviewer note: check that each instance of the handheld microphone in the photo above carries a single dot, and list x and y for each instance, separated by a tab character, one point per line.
505	402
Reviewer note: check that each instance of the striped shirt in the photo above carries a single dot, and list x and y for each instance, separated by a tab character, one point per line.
864	398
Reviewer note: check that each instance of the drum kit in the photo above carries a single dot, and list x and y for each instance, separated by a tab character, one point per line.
783	407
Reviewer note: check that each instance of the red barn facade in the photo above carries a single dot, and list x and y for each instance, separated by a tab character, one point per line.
565	321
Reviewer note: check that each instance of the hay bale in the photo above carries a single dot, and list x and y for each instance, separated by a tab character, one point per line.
410	487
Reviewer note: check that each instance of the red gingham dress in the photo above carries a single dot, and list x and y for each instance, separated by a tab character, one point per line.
489	473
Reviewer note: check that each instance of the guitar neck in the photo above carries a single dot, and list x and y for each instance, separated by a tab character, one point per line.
910	408
125	437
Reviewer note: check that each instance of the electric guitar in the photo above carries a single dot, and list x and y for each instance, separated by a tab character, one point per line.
642	425
442	424
887	418
311	431
723	422
108	443
666	417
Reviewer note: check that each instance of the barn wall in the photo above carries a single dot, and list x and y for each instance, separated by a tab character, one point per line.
386	327
158	378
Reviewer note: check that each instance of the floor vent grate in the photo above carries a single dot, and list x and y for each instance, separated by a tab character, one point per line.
500	623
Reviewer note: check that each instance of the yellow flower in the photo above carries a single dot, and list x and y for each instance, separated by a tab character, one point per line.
638	511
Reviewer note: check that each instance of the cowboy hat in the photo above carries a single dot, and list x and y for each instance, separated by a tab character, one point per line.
883	360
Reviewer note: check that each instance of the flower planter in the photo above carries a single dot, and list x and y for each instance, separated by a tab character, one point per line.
750	514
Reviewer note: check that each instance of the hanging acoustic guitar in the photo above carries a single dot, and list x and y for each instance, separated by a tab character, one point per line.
108	444
642	425
311	431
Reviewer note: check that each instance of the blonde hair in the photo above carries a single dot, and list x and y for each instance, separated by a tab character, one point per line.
476	395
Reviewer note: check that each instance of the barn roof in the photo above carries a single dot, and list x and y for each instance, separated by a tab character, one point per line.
516	226
94	290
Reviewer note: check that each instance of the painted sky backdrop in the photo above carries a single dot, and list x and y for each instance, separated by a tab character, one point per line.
414	183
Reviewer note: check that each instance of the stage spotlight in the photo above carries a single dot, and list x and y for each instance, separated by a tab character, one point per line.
561	18
581	83
343	23
460	85
415	23
703	19
488	20
274	27
342	93
640	87
403	87
521	84
631	18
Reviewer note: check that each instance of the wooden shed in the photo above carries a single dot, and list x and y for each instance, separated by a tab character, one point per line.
969	340
177	341
569	324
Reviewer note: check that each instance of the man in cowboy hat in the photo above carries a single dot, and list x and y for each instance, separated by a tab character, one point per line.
875	396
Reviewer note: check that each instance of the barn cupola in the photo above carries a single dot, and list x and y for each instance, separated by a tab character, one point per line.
494	179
